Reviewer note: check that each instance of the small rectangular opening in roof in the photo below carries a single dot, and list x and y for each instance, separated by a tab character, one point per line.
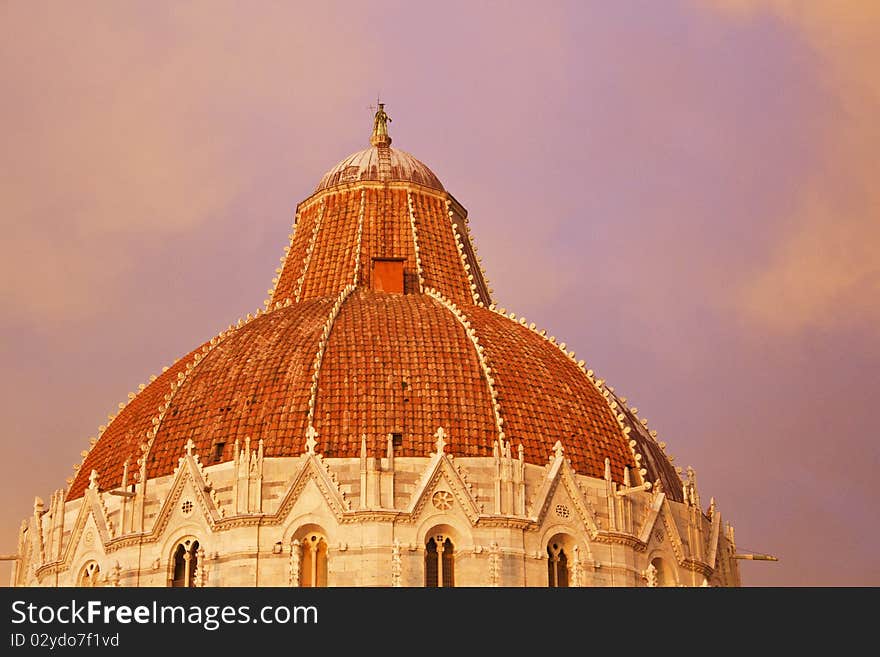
387	275
218	451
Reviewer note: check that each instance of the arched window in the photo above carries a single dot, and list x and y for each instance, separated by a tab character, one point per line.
557	565
89	575
314	560
439	561
662	575
186	561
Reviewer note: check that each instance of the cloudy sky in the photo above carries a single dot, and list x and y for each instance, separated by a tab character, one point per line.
684	191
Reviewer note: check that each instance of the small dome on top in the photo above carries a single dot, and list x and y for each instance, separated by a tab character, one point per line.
380	162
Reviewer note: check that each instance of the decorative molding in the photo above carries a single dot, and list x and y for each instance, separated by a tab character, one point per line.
415	236
560	471
322	346
360	232
379	185
297	293
481	356
672	532
200	576
188	470
465	265
652	434
714	538
373	515
90	506
295	566
279	272
619	538
494	564
440	443
441	467
698	567
93	440
442	472
156	422
653	512
311	440
313	469
396	565
576	574
247	477
479	263
598	384
115	575
37	524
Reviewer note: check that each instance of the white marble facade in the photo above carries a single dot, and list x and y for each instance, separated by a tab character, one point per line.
394	521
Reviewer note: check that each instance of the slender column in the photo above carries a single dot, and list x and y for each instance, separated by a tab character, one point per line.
313	546
186	565
438	540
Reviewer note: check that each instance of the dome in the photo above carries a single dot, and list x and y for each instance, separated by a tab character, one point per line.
379	421
380	163
339	354
392	364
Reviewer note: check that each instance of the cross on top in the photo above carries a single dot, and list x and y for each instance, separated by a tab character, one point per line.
375	107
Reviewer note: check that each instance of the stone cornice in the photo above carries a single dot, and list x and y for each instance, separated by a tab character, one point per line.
359	185
698	567
620	538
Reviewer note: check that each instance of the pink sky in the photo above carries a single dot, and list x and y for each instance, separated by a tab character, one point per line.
685	192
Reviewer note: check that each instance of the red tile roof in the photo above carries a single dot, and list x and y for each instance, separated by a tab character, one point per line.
394	363
325	258
389	363
126	433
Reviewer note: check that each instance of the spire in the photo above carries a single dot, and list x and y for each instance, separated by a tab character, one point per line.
380	135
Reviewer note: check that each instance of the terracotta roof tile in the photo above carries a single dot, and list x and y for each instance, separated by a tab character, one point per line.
253	384
392	363
124	435
297	256
326	259
401	364
545	397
